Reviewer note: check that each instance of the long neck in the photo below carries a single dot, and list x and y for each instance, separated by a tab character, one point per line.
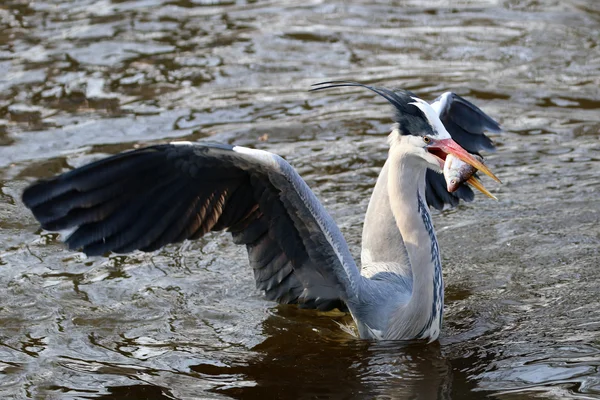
421	316
383	249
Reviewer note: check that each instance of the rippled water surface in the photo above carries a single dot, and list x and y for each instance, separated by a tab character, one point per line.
83	79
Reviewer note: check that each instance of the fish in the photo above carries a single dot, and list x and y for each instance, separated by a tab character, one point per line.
457	172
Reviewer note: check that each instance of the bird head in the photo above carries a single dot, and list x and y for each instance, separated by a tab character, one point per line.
418	128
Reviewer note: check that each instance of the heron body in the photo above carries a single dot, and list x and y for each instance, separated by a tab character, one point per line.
398	217
146	198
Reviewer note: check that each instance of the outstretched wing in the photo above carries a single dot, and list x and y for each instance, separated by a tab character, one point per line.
466	123
146	198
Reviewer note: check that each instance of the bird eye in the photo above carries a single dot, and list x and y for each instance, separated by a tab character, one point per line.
426	139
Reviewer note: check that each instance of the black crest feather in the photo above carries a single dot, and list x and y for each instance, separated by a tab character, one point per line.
410	118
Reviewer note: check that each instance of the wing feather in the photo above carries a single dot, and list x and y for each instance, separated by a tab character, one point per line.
147	198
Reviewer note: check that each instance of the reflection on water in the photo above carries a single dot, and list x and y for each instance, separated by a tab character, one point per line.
83	79
291	361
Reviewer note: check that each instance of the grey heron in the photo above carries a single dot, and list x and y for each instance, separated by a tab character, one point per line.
149	197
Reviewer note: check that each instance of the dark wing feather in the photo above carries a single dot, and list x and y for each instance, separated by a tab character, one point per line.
466	123
150	197
438	196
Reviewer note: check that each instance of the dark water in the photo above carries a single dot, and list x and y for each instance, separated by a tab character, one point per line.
83	79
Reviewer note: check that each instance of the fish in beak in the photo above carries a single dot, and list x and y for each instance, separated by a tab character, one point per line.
453	159
457	172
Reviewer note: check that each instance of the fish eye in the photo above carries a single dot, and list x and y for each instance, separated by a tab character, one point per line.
426	139
453	181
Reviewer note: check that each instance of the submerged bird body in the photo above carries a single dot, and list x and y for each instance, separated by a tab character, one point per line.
149	197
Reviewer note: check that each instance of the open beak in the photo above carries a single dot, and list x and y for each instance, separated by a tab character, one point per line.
449	146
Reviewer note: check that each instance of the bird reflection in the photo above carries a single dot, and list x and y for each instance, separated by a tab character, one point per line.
294	362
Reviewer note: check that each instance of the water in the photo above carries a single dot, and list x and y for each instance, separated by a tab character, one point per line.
80	80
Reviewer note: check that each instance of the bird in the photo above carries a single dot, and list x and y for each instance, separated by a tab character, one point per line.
146	198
